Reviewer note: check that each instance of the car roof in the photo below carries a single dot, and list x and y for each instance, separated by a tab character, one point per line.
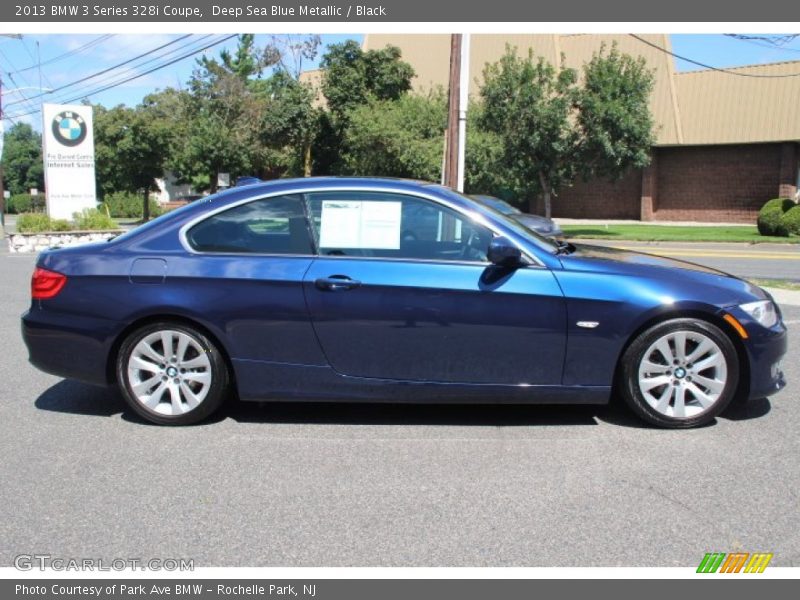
257	187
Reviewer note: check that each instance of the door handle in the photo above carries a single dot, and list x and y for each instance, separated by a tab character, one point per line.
336	283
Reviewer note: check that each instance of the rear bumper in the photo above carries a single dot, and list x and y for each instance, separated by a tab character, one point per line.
68	346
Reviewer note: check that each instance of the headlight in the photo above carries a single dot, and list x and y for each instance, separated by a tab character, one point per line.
763	312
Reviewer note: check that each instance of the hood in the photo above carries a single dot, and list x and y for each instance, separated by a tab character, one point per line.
669	272
604	253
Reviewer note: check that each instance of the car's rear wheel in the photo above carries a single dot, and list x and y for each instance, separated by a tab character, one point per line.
171	374
680	373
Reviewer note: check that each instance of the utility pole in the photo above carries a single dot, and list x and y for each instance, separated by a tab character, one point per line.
451	141
458	99
463	102
3	132
2	189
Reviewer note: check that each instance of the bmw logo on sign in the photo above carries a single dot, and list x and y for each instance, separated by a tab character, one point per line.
69	128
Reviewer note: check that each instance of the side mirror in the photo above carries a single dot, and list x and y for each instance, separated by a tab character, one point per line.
503	253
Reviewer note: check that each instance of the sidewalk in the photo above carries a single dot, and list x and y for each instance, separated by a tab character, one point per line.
604	222
785	297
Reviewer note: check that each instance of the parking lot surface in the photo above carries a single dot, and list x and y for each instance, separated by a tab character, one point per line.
372	485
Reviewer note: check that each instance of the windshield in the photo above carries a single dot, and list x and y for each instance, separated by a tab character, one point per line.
532	236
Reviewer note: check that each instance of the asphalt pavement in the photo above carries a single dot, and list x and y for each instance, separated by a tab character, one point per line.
372	485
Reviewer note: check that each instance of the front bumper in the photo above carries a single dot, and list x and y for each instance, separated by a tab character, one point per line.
765	348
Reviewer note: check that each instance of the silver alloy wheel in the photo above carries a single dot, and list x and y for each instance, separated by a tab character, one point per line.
169	372
683	374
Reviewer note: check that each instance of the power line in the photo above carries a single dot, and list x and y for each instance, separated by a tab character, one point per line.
705	66
162	66
74	51
756	41
777	41
122	64
41	75
25	99
114	77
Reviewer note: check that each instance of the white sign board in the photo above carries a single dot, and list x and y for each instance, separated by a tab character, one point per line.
360	224
68	159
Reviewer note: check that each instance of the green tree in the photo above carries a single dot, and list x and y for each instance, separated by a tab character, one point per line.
219	111
288	124
23	168
527	103
242	123
131	148
553	129
616	128
484	169
353	76
397	138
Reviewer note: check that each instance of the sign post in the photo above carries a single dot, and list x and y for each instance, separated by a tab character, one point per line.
68	159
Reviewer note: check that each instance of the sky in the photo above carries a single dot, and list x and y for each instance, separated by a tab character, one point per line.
66	59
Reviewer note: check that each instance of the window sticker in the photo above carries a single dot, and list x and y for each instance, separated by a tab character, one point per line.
360	224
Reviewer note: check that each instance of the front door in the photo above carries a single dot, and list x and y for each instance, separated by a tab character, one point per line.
402	290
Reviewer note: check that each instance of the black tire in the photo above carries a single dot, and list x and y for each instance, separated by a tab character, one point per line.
678	375
199	350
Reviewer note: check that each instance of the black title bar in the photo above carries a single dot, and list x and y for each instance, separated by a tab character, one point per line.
392	11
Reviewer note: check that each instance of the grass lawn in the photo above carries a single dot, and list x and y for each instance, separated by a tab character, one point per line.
777	283
673	233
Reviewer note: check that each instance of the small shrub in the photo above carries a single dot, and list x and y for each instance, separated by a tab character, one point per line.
25	203
769	217
18	204
125	205
92	218
60	225
790	221
34	223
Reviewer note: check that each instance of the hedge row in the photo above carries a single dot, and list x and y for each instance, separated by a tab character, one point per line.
780	217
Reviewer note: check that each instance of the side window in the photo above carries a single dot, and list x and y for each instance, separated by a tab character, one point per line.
274	225
394	226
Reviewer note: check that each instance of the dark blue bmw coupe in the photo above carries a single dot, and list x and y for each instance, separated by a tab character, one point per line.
391	290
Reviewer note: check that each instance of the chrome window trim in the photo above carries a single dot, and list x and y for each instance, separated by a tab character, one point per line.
473	216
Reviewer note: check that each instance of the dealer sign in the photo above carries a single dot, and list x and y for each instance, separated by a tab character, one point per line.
68	159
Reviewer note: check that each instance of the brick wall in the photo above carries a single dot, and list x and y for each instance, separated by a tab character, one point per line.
716	183
689	183
601	199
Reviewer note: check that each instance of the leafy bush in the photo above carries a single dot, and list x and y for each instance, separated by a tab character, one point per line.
769	217
92	218
25	203
89	219
790	221
125	205
39	222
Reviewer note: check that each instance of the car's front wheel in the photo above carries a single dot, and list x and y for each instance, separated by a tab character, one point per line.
171	374
680	373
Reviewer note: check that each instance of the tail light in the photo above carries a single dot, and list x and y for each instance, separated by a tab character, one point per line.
46	284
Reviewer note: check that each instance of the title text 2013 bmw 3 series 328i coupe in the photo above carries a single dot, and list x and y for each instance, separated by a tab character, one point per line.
392	290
